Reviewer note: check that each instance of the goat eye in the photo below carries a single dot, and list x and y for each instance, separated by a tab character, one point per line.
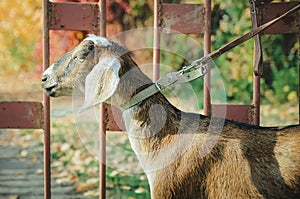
79	59
91	47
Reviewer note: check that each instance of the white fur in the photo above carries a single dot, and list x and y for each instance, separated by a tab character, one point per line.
98	40
52	81
97	81
152	162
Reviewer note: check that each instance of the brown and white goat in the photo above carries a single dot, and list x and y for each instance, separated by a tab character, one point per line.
185	155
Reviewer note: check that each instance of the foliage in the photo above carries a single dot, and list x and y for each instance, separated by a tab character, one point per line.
280	57
18	37
281	71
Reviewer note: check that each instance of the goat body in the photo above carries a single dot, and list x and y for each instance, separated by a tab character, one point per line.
185	155
187	159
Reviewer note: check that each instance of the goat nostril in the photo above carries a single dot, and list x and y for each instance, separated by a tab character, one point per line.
49	89
44	78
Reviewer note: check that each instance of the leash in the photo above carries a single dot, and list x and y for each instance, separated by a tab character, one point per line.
197	68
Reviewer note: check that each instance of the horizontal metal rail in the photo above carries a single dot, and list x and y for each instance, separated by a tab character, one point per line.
21	115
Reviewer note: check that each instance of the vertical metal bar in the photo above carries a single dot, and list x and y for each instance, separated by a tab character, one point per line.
257	67
102	12
47	160
256	99
102	127
207	47
102	154
156	42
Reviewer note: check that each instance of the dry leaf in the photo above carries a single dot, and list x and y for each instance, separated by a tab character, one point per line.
39	171
94	192
114	173
84	186
92	181
125	187
24	153
74	178
65	147
14	197
63	181
140	190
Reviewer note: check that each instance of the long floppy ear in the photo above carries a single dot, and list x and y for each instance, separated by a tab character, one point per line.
101	82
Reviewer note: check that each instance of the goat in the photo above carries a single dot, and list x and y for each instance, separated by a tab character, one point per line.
184	155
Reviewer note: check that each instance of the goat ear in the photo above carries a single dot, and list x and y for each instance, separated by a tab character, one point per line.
101	82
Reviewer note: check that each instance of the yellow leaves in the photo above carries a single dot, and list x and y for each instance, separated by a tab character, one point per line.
292	97
21	28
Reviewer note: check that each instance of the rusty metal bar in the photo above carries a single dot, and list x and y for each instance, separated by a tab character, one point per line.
21	115
113	118
286	25
102	126
156	42
258	64
47	152
73	16
102	153
207	47
102	22
256	100
183	18
236	112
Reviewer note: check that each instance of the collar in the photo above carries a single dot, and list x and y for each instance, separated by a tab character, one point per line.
186	74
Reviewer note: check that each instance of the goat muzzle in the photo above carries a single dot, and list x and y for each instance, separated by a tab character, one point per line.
49	84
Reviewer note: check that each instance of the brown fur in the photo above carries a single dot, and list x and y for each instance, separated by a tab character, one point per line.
242	161
246	161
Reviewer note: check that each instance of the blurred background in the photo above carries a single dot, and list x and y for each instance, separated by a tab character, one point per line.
21	69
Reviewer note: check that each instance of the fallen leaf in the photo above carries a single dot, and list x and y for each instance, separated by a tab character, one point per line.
92	181
65	147
94	192
74	178
85	186
140	190
63	181
113	173
24	153
39	171
14	197
125	187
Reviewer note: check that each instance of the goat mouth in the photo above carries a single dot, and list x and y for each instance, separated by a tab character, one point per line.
50	91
